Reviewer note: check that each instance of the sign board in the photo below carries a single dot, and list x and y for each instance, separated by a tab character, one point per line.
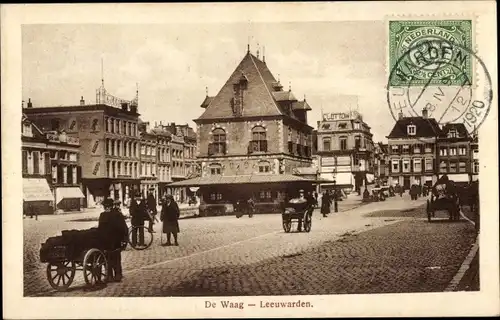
341	116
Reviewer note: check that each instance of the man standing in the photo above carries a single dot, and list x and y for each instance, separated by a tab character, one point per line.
138	214
170	217
152	210
114	231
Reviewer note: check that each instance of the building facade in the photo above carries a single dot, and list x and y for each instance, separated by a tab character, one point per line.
250	138
474	146
346	149
412	146
454	153
110	143
381	162
148	161
51	173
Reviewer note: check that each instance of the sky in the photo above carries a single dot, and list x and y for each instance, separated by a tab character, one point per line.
333	63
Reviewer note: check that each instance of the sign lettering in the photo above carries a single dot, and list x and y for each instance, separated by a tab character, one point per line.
96	168
94	148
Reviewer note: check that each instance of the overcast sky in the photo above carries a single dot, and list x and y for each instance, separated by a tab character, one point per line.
329	62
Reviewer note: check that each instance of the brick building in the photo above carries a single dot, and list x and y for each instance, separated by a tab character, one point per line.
51	173
109	137
454	153
346	149
251	137
412	149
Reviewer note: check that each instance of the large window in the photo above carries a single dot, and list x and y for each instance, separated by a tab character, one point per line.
443	166
453	166
412	130
475	168
27	132
417	165
406	165
443	151
429	164
394	149
453	151
259	140
416	148
395	165
357	142
218	141
25	162
406	148
462	151
327	144
343	143
462	166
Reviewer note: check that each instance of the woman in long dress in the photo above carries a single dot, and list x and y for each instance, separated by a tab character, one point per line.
170	217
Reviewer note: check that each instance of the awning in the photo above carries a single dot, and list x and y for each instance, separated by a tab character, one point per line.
341	178
36	190
459	177
241	179
68	193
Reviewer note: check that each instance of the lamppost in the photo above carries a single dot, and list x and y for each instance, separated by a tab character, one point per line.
335	203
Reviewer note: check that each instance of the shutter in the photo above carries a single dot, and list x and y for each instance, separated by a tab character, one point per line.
59	174
79	174
25	162
46	160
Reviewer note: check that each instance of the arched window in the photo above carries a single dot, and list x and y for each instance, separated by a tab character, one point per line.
218	141
215	169
264	166
259	139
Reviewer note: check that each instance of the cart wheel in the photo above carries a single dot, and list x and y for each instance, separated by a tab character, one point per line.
287	225
148	238
95	267
307	223
61	274
428	211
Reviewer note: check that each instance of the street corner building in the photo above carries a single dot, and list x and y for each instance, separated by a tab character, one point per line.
109	143
420	150
50	169
251	137
346	151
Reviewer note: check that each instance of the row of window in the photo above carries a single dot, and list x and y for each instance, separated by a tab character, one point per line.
261	196
343	145
122	148
62	174
412	149
35	162
457	166
64	155
301	138
118	126
452	151
119	168
340	126
217	169
412	165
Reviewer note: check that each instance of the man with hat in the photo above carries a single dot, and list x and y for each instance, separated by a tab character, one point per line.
152	210
138	214
114	231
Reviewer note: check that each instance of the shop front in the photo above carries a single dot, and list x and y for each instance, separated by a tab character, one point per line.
37	196
68	198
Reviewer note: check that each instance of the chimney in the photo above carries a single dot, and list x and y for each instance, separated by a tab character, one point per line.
82	102
401	116
318	122
425	113
30	105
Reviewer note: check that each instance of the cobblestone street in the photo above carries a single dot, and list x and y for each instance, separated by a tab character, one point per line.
378	247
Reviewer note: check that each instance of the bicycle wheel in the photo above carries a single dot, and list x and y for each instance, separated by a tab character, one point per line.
137	232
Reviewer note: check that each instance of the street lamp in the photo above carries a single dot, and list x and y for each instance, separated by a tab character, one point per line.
335	203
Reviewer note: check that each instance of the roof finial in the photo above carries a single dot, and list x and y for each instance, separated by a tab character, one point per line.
248	45
289	85
102	71
264	54
304	97
206	91
258	47
278	78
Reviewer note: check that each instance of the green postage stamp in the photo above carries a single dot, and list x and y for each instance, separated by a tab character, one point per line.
423	53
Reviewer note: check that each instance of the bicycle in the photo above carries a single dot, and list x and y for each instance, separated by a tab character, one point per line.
148	238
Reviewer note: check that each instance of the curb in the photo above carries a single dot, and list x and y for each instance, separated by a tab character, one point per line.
452	286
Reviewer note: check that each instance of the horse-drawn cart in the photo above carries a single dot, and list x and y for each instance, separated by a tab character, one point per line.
75	250
444	197
297	211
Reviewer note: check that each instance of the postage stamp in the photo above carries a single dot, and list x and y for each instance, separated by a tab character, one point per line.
431	51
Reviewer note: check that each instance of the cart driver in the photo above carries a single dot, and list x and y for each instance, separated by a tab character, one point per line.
443	188
308	208
113	230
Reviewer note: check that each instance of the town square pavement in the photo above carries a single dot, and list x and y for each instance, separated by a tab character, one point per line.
378	247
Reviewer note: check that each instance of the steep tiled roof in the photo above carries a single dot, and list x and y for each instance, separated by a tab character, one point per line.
425	127
258	99
301	105
284	96
459	127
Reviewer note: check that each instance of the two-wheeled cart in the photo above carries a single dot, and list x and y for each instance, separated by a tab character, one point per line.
75	250
297	211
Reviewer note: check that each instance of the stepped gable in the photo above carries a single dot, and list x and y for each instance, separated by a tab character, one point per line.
257	97
425	127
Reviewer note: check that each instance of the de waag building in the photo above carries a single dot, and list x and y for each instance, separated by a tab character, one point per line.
251	137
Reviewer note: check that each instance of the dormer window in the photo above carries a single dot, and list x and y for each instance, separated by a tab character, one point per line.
342	125
325	126
27	130
411	129
357	126
453	133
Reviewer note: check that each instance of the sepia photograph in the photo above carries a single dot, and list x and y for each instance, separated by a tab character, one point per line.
250	160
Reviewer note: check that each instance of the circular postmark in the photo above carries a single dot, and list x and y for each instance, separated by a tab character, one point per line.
433	82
